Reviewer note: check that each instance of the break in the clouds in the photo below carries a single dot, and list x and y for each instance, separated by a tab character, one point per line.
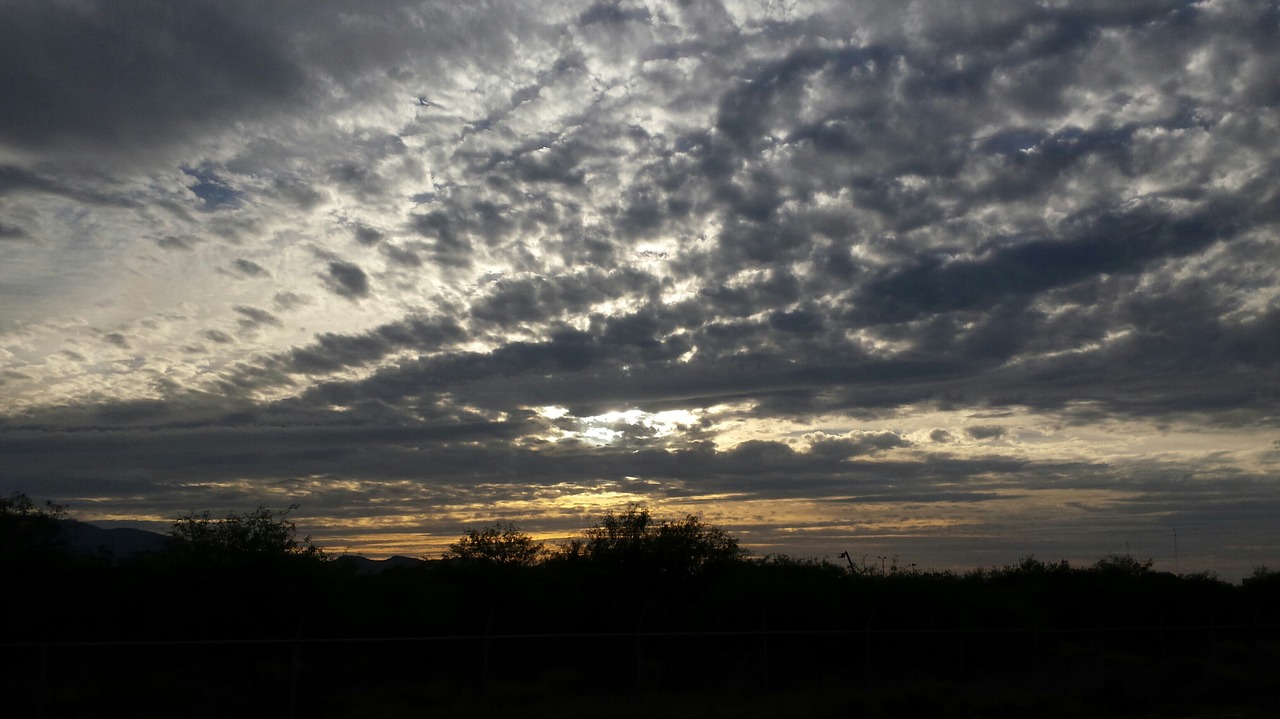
954	281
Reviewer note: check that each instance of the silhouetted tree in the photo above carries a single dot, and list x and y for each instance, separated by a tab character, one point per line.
1122	565
261	533
502	544
28	531
676	547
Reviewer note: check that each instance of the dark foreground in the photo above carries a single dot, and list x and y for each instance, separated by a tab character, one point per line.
301	637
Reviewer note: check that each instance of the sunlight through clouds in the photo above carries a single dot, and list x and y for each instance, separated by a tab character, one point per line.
801	266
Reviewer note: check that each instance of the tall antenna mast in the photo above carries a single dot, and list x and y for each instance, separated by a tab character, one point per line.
1177	566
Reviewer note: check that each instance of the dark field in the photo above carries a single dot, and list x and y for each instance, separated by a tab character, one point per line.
295	636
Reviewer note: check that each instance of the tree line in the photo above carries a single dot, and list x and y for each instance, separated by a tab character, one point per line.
675	603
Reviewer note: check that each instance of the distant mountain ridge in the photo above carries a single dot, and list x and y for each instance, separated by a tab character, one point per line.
117	543
364	565
124	543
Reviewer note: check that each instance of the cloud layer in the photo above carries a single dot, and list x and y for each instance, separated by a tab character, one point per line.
954	282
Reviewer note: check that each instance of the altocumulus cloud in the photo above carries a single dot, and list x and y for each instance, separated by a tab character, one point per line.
954	282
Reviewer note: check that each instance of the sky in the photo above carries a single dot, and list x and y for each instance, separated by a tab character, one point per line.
951	282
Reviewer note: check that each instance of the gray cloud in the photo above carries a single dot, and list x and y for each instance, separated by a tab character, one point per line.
218	336
251	317
288	300
14	180
12	232
154	72
117	339
346	279
249	268
859	233
366	235
985	431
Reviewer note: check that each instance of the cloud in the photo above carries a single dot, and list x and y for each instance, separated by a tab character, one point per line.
332	352
251	318
985	431
12	232
844	271
155	72
15	180
347	280
117	339
366	235
1119	243
288	300
219	336
214	192
249	268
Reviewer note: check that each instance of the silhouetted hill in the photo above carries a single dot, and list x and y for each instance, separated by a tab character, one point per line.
124	543
119	543
364	565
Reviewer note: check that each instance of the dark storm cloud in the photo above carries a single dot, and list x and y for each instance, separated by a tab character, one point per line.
346	279
101	75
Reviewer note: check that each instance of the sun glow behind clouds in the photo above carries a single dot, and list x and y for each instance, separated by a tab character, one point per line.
611	427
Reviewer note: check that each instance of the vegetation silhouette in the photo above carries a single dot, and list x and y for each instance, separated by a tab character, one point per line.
499	544
262	533
239	611
634	541
29	533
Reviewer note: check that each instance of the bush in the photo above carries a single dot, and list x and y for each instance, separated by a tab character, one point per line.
502	544
633	539
261	533
29	533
